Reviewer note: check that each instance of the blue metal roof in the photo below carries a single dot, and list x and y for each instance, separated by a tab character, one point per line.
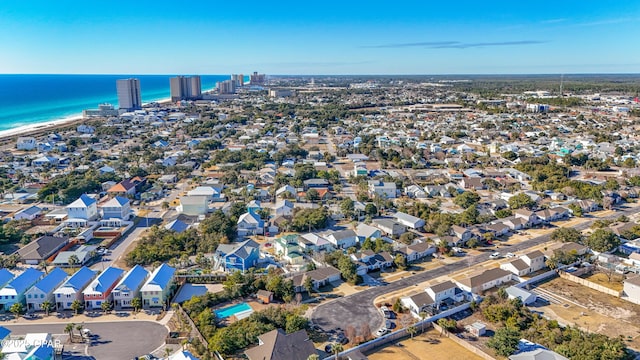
4	332
5	277
133	279
107	278
162	275
177	226
80	279
51	281
25	280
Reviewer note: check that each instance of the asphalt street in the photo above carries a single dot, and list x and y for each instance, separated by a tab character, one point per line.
358	309
110	340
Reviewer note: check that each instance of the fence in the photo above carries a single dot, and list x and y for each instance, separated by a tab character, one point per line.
194	329
537	278
465	344
402	333
589	284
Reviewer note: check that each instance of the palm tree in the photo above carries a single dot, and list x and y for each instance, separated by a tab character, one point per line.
412	330
73	261
167	351
423	315
136	303
69	330
46	307
313	357
43	267
16	309
76	306
336	348
79	327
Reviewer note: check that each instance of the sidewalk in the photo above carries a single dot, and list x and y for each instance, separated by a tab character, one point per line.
83	318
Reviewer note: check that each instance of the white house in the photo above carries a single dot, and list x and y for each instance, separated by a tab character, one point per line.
365	231
283	208
416	251
631	289
29	213
250	223
116	208
343	239
129	287
485	280
442	291
85	208
286	189
408	220
26	143
386	190
193	205
43	290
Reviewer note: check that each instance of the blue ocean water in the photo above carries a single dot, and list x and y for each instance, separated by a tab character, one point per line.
29	99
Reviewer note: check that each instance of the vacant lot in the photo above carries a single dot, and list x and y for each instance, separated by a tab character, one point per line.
574	304
603	279
428	346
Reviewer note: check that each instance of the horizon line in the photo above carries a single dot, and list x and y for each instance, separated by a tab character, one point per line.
377	74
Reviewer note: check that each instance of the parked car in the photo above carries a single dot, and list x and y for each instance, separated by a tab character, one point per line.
495	255
383	330
389	324
510	255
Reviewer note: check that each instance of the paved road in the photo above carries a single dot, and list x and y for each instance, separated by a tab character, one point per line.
357	309
111	341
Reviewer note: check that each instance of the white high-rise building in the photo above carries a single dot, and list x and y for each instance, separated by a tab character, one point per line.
185	88
129	94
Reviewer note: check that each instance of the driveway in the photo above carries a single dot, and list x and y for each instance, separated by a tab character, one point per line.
110	341
358	309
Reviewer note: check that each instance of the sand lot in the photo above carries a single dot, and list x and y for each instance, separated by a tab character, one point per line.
427	346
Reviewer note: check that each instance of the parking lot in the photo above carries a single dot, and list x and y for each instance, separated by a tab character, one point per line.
109	340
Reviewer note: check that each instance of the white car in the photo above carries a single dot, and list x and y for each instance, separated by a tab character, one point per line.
510	255
495	255
383	330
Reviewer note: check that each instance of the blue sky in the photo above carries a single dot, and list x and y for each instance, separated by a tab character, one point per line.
313	37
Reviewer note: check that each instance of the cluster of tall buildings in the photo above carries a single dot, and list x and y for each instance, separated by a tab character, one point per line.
185	88
257	79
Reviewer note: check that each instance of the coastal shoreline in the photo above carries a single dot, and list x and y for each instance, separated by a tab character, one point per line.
40	127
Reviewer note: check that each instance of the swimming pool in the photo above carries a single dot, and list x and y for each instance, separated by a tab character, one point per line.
241	310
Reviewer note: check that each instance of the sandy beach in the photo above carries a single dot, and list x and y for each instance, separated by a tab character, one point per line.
36	128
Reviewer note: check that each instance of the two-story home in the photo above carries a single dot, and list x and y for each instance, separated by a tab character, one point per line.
463	234
129	287
416	251
364	231
389	227
485	280
85	208
386	190
250	223
158	289
283	208
99	291
238	256
343	239
72	288
43	290
432	298
193	205
526	264
14	292
528	216
123	188
116	208
26	143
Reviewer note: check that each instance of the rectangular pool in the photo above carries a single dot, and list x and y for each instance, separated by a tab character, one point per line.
241	310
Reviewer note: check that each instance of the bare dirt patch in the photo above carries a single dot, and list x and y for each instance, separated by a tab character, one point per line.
430	345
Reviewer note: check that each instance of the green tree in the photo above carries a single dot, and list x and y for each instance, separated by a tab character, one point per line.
136	304
505	341
566	235
76	306
106	306
308	285
16	309
400	262
602	240
347	207
336	348
412	330
466	199
46	306
576	210
521	200
371	209
348	269
73	261
312	195
69	330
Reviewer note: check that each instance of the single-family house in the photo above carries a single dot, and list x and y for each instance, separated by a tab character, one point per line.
389	227
238	256
537	354
287	246
250	223
26	143
85	207
343	239
41	249
177	225
631	289
314	242
5	277
442	291
525	296
99	290
548	215
14	291
379	188
316	183
29	213
364	231
528	216
283	208
193	205
116	208
409	221
319	277
278	345
461	233
43	290
286	191
210	192
485	280
474	183
82	254
129	287
72	288
416	251
515	223
415	192
158	289
525	264
123	188
418	303
498	229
